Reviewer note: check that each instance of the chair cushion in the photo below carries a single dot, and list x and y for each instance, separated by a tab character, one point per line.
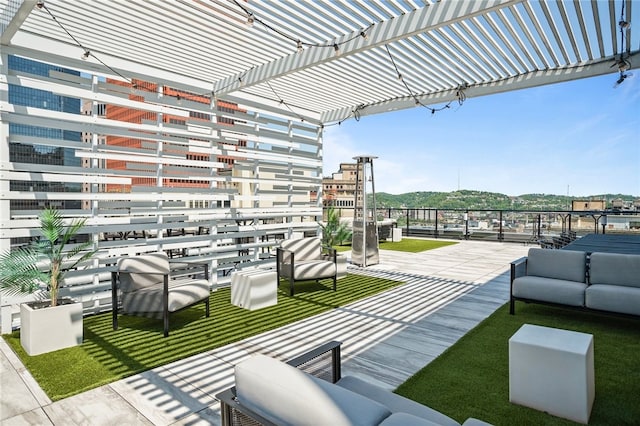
182	293
404	419
313	269
615	269
394	402
142	271
550	290
613	298
559	264
286	395
304	248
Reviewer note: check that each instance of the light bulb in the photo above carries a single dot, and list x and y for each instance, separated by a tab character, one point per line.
250	19
623	65
86	55
299	46
40	4
336	48
363	35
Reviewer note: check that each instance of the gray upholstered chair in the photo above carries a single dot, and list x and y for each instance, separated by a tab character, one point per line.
301	259
148	287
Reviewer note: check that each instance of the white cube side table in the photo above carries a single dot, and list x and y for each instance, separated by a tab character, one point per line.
254	288
551	370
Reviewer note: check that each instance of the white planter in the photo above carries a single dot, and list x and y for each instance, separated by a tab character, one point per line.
48	329
341	261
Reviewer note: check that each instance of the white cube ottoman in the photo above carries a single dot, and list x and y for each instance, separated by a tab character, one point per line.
551	370
254	288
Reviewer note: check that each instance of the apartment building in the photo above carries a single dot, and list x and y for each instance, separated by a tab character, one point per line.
339	189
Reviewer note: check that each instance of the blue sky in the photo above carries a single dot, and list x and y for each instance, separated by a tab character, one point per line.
580	137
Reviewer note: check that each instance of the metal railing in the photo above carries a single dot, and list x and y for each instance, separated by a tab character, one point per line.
525	226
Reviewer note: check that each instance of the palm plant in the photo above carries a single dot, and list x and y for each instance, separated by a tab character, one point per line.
335	232
20	271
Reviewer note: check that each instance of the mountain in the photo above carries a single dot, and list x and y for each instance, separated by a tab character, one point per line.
480	200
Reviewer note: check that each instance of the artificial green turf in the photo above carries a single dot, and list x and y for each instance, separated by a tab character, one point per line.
410	245
138	345
414	245
471	379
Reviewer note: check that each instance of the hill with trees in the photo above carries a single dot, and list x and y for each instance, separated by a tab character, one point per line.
480	200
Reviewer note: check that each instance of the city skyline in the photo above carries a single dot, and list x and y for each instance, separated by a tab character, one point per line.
578	138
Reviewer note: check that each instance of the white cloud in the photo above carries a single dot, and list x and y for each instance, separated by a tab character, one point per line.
338	147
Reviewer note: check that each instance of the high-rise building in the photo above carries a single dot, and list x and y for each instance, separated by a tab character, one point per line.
31	144
131	115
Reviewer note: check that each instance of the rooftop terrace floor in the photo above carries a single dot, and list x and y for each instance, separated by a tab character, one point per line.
386	339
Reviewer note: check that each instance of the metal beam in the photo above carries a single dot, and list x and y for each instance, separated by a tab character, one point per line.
425	19
523	81
15	22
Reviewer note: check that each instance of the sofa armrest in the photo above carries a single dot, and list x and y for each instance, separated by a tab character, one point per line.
323	362
285	260
232	413
180	268
518	269
313	362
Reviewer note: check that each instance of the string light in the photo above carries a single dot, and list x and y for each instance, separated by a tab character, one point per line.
622	63
282	102
460	96
251	17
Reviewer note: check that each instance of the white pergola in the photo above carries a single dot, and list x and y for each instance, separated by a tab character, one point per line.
291	67
329	60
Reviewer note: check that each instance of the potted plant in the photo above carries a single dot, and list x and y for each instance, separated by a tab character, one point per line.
56	323
335	232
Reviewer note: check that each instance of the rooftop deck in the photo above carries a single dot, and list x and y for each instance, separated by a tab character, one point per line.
386	339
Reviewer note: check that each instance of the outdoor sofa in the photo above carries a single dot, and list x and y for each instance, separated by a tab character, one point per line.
309	390
607	282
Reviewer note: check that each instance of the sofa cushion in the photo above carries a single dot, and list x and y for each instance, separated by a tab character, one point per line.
404	419
615	269
286	395
549	290
138	272
475	422
614	298
182	293
566	265
313	269
394	402
304	248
